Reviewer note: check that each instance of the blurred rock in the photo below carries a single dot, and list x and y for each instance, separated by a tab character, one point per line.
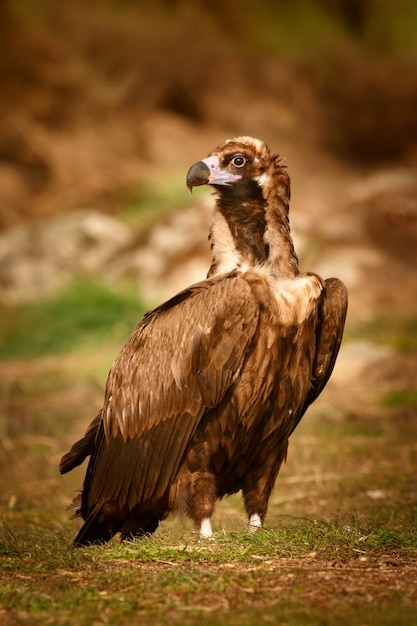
356	358
38	258
173	254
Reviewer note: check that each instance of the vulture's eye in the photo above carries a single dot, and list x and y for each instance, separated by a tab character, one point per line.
238	160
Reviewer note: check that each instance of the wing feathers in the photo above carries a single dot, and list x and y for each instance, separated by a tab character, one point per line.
81	449
329	333
178	363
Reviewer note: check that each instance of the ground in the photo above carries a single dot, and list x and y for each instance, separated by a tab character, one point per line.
339	542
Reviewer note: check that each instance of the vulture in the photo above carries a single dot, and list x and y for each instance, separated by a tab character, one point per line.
205	394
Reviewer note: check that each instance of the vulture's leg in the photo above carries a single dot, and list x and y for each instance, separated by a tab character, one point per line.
256	495
257	488
201	498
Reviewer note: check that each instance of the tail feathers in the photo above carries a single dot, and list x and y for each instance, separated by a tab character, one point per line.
81	449
103	523
97	529
76	505
133	529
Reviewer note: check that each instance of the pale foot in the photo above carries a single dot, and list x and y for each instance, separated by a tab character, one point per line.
205	529
255	522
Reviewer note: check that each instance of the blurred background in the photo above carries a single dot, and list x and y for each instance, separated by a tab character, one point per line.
105	105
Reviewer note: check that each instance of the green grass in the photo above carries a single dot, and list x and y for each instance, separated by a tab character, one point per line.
240	578
151	202
398	332
285	538
400	398
83	314
339	545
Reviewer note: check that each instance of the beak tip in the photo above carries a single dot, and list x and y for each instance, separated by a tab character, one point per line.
198	174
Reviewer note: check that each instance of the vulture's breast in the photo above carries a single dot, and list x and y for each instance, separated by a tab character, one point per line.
276	375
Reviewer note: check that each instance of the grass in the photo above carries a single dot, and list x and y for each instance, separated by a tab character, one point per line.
241	577
398	332
150	203
83	314
400	397
339	544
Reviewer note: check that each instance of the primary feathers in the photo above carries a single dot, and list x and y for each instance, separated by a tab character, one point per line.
206	392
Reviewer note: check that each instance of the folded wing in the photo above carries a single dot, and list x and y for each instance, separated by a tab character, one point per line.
178	363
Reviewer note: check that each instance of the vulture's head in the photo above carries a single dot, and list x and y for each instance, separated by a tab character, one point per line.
242	166
252	205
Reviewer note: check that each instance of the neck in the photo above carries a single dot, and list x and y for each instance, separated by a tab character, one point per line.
282	258
254	231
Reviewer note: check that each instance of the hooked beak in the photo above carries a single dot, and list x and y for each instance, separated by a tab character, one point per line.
208	172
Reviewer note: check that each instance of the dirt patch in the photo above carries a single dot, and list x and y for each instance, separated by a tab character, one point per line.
241	590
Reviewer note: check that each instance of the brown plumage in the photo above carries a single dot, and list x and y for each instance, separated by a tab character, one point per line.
209	387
